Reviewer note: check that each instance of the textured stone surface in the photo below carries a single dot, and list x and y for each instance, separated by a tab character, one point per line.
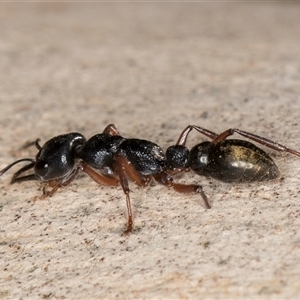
152	69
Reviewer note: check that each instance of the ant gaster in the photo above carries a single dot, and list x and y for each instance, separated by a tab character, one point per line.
110	159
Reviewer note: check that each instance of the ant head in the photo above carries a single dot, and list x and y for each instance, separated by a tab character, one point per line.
56	159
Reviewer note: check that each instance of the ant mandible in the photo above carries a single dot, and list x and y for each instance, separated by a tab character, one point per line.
110	159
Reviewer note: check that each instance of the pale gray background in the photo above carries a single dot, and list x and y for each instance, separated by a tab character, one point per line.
152	69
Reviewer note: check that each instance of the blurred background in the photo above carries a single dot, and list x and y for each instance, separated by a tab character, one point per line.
148	67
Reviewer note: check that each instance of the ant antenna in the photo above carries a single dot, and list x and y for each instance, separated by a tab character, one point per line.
14	163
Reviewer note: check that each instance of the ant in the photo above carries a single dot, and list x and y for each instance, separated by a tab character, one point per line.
110	159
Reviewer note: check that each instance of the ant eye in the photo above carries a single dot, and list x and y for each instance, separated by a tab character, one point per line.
41	168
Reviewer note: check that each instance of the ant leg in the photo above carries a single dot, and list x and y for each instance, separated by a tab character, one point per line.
56	184
125	170
165	179
111	129
99	178
183	136
131	172
259	139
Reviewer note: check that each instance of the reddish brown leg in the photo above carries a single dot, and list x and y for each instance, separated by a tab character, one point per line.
184	135
131	173
264	141
125	170
56	184
99	178
167	180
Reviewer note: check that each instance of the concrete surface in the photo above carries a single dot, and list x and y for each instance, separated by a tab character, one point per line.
152	69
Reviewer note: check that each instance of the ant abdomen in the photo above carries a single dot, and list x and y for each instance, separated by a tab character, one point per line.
232	161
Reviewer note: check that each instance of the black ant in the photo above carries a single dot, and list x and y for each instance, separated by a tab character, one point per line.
110	159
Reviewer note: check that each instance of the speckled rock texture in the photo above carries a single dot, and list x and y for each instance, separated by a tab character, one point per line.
152	69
